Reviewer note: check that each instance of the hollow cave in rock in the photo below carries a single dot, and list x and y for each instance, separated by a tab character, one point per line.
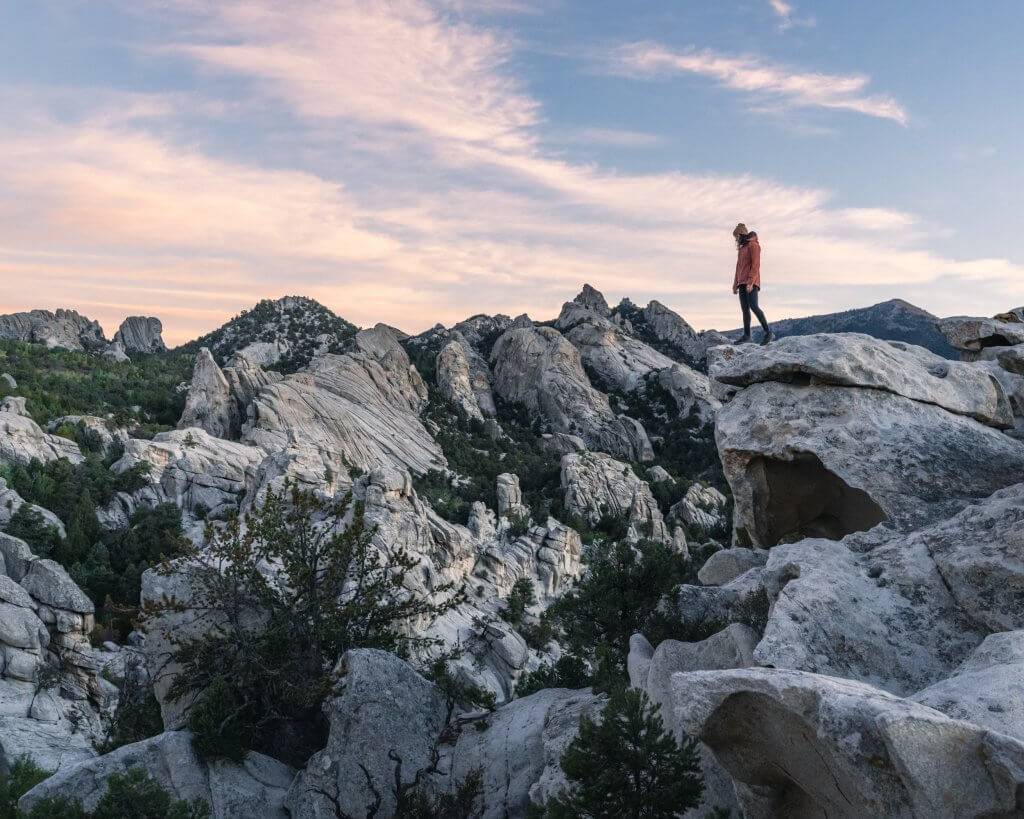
784	757
800	498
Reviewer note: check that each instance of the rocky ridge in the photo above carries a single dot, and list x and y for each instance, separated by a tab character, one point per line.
878	484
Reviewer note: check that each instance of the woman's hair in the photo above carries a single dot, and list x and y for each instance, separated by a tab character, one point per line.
739	233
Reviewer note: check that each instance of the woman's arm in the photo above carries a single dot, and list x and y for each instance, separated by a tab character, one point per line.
754	271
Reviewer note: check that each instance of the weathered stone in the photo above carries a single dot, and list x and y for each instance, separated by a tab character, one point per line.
988	687
803	745
63	328
141	334
658	474
464	379
48	582
518	750
808	461
596	484
973	334
510	497
702	507
11	502
898	611
617	359
729	564
362	408
254	789
691	392
111	437
539	368
384	723
857	360
202	474
21	439
8	381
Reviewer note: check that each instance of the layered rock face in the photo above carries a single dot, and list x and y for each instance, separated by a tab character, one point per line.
539	368
141	334
203	475
359	409
830	435
45	621
63	328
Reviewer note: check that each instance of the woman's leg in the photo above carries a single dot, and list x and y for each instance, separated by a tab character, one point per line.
752	302
745	307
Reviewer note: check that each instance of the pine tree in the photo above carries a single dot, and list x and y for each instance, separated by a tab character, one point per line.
627	766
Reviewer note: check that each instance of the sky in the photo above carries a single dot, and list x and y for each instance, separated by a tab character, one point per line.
420	161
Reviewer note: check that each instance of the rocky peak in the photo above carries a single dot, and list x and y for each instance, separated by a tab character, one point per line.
141	334
66	329
593	299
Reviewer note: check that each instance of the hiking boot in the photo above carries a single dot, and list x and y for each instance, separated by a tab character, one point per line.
767	337
744	339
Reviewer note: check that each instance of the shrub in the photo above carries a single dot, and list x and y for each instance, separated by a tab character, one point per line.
19	780
137	715
264	666
136	795
627	766
520	598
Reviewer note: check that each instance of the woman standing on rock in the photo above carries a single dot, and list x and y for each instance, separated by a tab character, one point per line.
748	281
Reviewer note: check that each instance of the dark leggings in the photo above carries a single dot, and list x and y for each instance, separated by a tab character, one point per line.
748	303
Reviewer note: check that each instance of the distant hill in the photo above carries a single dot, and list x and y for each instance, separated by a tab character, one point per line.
893	320
281	334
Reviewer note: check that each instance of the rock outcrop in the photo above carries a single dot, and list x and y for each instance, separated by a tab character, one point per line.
836	453
254	789
701	507
11	502
971	335
203	475
51	695
387	723
359	409
64	328
618	360
596	485
538	368
22	440
141	334
803	745
218	399
464	378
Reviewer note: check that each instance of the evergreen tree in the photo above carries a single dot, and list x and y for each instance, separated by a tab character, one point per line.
627	766
265	664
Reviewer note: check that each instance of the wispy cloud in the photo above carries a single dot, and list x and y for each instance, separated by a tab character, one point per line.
787	16
755	76
419	183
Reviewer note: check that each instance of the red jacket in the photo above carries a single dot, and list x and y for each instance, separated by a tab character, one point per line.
748	264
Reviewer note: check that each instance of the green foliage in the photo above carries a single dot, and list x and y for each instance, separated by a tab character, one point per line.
617	597
478	458
520	598
265	665
135	795
107	565
137	715
57	807
23	775
418	803
627	766
457	691
568	671
301	321
29	525
63	382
